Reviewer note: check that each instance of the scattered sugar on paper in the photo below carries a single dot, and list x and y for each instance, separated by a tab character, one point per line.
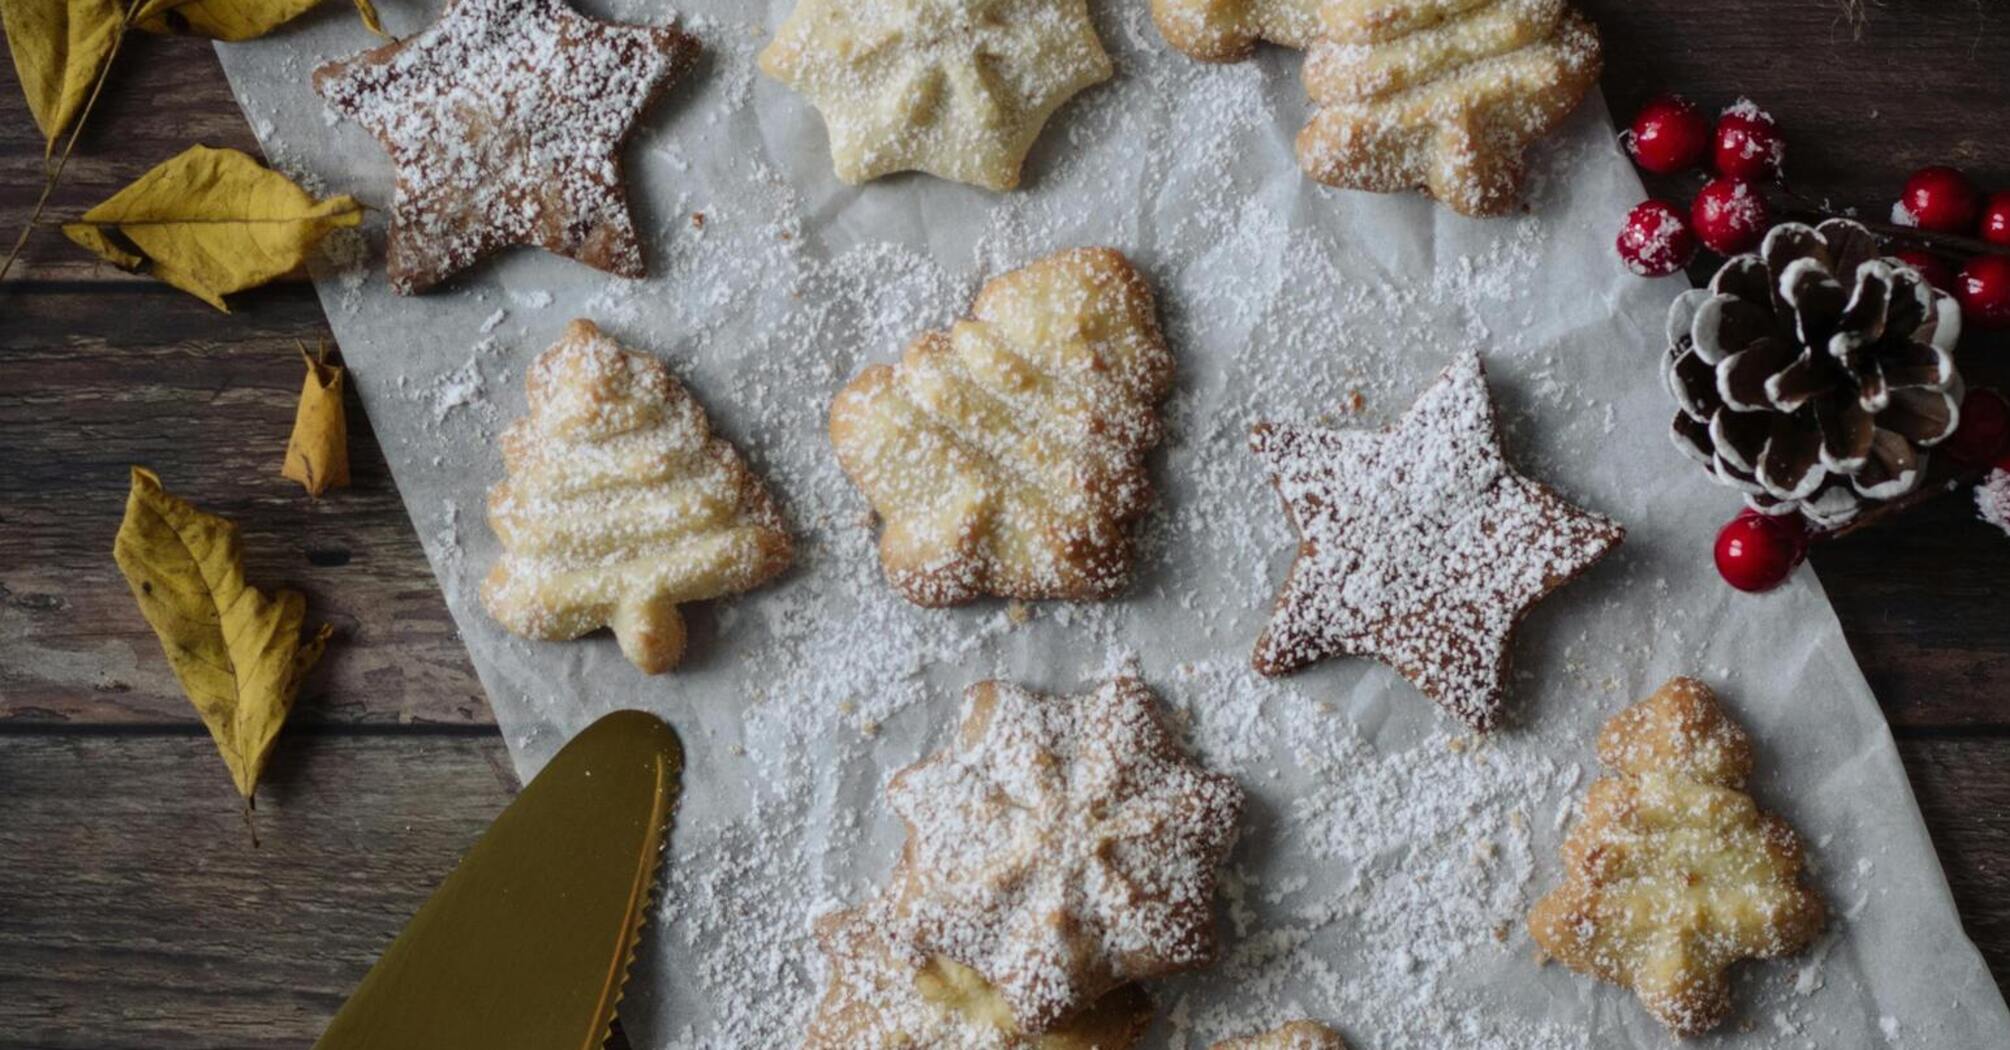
1426	851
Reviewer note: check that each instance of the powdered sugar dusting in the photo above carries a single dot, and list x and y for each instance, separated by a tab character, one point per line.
1992	499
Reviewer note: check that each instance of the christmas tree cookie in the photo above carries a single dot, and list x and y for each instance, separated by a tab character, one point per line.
621	505
1441	95
1673	874
877	998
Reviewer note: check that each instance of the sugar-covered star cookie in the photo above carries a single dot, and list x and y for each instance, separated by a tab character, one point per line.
1419	546
955	88
505	119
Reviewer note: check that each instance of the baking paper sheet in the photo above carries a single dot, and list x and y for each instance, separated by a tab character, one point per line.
1387	860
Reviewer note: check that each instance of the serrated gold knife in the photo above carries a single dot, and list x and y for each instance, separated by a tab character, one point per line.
527	943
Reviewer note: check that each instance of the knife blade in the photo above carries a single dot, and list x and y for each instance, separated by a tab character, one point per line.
528	942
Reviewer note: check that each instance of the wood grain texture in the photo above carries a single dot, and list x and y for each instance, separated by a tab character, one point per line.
88	388
132	916
136	915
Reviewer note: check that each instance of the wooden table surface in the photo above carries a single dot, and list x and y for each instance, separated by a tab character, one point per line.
134	913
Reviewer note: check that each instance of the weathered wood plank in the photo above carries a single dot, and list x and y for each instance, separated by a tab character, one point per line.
164	95
135	916
1922	602
1961	782
88	388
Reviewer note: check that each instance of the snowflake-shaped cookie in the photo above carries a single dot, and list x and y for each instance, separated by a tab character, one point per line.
955	88
1061	847
876	1000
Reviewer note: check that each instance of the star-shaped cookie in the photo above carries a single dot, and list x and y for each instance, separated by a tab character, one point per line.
955	88
1061	847
1419	546
505	119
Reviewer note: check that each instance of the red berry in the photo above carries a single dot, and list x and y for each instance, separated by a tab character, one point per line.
1749	145
1938	198
1984	430
1930	266
1996	218
1984	290
1730	215
1656	239
1757	552
1669	134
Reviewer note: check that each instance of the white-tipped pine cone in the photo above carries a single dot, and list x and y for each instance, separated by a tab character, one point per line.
1814	375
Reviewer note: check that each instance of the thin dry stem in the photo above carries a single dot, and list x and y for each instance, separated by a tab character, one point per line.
53	173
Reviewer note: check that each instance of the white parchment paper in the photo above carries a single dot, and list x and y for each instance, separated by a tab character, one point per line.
1386	862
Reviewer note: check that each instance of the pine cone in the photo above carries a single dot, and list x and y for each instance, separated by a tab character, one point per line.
1814	375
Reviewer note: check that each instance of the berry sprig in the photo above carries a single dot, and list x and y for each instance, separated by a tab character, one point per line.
1940	217
1939	214
1730	213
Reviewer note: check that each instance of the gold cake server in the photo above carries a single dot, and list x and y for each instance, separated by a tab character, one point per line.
527	944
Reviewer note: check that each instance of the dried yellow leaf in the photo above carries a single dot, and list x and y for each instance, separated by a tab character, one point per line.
59	48
238	655
317	455
211	222
367	11
231	20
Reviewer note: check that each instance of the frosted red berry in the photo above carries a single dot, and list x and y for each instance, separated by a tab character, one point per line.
1748	144
1995	226
1940	199
1669	134
1656	239
1729	215
1757	552
1984	431
1983	288
1930	266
